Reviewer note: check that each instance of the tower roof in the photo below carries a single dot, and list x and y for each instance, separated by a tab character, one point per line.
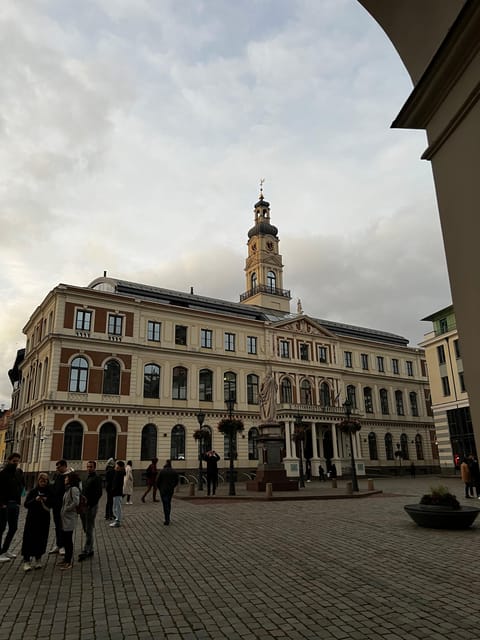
262	224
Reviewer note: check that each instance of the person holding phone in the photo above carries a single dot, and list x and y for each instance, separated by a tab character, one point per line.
37	523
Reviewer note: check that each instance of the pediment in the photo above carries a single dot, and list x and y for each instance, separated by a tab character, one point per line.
304	325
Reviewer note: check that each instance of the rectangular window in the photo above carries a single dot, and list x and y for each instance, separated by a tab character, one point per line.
251	344
180	334
322	354
303	350
284	349
461	377
206	336
115	325
445	386
409	365
229	342
443	325
395	365
364	359
347	355
456	346
83	320
441	354
380	364
153	331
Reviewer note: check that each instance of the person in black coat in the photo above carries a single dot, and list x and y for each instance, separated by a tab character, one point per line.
167	480
12	485
37	523
92	490
212	458
109	476
58	489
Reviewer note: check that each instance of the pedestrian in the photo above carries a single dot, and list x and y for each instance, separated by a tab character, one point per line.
128	482
37	523
211	458
167	481
117	493
151	475
109	475
92	490
465	475
413	470
333	471
12	485
58	489
474	474
70	502
321	474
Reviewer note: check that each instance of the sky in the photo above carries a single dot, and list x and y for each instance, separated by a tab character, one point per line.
134	135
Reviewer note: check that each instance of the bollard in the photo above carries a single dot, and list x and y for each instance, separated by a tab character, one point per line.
269	489
334	483
191	488
370	485
349	489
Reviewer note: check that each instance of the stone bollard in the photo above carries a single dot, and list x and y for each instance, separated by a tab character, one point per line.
370	485
349	489
191	489
334	483
269	490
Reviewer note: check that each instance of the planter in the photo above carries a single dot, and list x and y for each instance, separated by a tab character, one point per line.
437	517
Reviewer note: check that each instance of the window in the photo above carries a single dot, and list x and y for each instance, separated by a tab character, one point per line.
229	342
177	443
443	325
111	378
229	386
456	346
252	444
441	354
325	396
206	336
409	365
286	391
305	392
395	368
413	403
384	402
399	403
151	381
78	375
83	320
284	349
389	446
153	331
179	383
149	442
419	447
251	344
445	385
404	446
271	281
115	325
380	364
252	389
205	385
461	379
73	441
107	441
364	359
322	354
253	281
352	395
368	400
180	334
303	350
348	358
372	446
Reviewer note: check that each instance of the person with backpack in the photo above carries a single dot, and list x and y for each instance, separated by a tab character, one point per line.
71	500
151	475
92	490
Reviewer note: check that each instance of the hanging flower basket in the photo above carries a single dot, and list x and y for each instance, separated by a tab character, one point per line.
349	426
201	434
226	425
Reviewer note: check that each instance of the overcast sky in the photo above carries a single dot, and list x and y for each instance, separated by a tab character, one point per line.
134	134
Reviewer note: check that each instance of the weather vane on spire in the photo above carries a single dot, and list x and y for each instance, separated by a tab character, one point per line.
262	180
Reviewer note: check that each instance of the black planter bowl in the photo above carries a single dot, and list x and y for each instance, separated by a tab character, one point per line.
437	517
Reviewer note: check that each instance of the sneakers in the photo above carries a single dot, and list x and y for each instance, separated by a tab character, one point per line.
54	549
27	566
66	566
114	524
61	551
10	555
84	555
4	558
37	564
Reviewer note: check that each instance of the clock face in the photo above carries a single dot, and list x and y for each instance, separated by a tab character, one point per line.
270	246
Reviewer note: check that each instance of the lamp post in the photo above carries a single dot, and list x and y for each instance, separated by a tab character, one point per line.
200	419
347	405
298	437
230	402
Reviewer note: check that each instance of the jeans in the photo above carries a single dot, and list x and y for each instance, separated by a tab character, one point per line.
88	524
167	505
8	515
117	508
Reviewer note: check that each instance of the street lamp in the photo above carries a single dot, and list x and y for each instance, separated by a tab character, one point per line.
350	426
201	437
230	402
299	437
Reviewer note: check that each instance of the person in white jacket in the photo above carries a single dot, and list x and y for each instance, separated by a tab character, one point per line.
128	482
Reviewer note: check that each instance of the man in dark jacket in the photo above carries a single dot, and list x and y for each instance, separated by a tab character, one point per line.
11	486
167	480
92	490
212	458
109	476
58	489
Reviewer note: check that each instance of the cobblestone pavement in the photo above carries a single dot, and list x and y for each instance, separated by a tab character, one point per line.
236	569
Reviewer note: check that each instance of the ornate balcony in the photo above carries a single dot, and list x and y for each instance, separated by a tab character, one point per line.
262	288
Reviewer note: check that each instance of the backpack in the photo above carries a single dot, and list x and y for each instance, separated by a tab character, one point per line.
82	506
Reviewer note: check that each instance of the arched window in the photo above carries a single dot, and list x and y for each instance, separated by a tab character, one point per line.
78	375
151	381
252	389
286	391
252	444
271	281
413	403
399	403
229	386
325	396
177	443
111	378
372	446
205	385
404	446
73	441
368	399
253	281
352	395
179	383
305	392
419	447
384	401
107	441
389	446
149	442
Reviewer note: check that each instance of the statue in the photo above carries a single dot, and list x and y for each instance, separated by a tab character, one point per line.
268	398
